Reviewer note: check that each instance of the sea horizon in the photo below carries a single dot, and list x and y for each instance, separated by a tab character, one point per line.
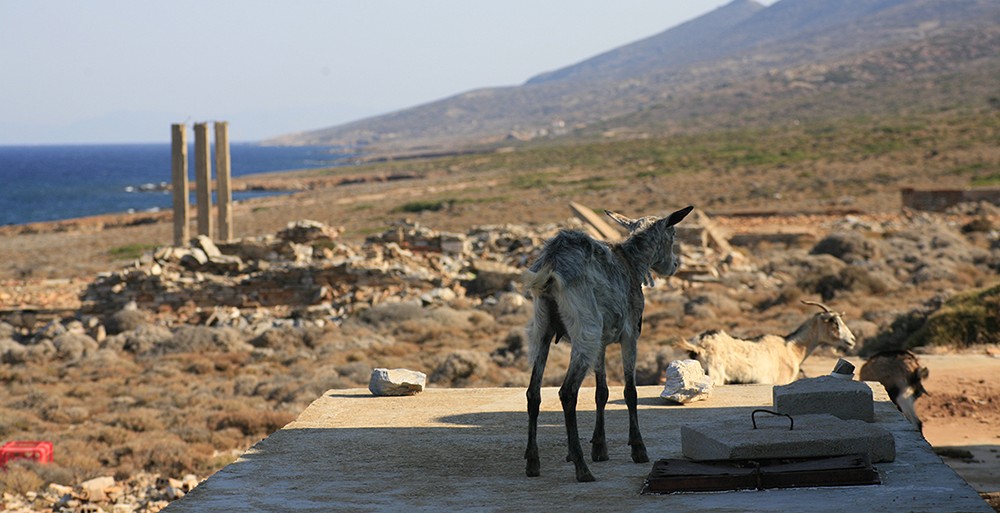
54	182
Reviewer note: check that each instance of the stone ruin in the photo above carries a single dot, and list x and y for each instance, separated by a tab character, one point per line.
306	272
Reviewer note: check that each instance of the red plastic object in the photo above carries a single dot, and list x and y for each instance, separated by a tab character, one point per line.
39	451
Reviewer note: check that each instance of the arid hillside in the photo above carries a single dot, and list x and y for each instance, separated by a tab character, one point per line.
140	359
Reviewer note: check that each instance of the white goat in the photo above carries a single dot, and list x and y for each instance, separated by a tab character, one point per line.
591	292
768	359
902	376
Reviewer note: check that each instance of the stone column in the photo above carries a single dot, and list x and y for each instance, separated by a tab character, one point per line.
179	177
203	180
224	189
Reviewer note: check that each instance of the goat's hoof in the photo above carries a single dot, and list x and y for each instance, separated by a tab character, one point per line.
639	455
585	476
599	453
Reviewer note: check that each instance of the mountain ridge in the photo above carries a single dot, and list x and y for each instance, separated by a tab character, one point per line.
748	42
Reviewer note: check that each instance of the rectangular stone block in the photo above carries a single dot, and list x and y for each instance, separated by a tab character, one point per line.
842	398
812	436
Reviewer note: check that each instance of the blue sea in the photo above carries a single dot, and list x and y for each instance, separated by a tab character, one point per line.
47	183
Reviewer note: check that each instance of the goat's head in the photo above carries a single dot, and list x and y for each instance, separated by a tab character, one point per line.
665	260
832	330
916	381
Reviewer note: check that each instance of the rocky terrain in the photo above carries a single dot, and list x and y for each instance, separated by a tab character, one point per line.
138	358
177	362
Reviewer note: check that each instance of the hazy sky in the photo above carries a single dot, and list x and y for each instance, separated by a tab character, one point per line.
122	71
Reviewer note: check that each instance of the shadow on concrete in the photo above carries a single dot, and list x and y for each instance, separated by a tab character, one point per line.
453	450
979	465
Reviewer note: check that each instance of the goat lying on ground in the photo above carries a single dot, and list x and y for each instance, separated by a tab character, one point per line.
902	376
768	359
591	292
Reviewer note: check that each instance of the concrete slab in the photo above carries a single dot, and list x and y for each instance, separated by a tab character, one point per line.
462	450
813	435
826	394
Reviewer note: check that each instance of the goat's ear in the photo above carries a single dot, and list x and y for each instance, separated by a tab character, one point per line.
678	216
629	224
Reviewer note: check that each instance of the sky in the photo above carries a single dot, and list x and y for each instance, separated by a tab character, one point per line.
105	71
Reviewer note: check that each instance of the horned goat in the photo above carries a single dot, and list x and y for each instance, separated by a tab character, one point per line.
768	359
902	376
591	293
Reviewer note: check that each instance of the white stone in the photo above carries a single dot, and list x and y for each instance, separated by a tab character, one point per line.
205	244
396	382
686	382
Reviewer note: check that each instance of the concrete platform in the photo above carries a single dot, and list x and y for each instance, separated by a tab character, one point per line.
462	450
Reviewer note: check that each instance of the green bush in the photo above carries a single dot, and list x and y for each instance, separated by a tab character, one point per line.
130	251
964	320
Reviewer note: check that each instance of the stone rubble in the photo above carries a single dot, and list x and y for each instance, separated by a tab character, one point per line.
304	267
141	493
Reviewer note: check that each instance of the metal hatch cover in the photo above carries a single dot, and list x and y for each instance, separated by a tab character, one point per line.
681	475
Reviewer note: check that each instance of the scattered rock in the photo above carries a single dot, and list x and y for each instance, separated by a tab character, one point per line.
686	382
389	382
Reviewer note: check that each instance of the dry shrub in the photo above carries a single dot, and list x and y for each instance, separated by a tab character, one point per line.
14	421
167	454
355	372
80	459
18	480
252	422
109	435
848	246
788	295
979	224
461	368
199	339
423	331
391	314
279	389
139	420
200	367
228	438
245	385
229	363
289	338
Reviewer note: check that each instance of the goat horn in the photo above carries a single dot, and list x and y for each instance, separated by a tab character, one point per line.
813	303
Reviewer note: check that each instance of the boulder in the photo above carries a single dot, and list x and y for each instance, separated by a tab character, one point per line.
73	346
386	382
127	319
686	382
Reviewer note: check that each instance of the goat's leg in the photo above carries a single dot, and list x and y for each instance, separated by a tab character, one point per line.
568	393
599	448
540	348
631	400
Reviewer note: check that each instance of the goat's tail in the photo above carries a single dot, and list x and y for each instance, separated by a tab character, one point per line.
536	282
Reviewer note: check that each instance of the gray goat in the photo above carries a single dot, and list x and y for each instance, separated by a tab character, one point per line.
591	293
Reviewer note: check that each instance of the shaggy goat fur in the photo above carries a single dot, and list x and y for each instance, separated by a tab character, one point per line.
591	292
769	359
902	376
